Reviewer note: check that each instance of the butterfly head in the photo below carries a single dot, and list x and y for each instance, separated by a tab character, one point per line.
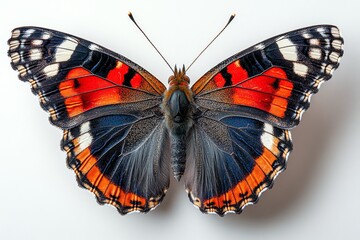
179	77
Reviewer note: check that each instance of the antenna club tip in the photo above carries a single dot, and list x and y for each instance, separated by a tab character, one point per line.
130	16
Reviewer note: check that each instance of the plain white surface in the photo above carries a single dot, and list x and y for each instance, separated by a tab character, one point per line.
316	197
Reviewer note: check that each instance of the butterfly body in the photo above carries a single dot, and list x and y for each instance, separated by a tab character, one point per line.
178	111
227	136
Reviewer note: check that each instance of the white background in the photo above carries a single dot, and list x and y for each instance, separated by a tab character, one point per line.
317	196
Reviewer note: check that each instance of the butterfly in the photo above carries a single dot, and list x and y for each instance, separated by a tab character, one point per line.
125	133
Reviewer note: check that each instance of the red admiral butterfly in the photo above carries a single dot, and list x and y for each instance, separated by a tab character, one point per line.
124	132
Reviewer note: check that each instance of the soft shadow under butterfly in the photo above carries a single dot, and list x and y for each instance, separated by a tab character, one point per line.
124	132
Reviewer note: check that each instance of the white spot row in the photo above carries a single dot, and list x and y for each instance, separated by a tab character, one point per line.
28	33
15	33
337	44
300	69
334	57
65	50
315	53
22	70
306	35
85	138
14	44
287	49
335	32
35	54
15	57
322	31
37	42
45	35
314	41
267	138
51	70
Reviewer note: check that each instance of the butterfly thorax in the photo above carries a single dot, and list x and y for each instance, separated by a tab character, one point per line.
178	109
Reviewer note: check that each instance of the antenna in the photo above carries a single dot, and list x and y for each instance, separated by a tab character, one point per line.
132	19
229	21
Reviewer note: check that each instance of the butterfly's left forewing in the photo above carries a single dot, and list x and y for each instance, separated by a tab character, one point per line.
109	109
245	106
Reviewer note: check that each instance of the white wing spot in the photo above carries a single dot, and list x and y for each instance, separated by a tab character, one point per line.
334	57
300	69
267	138
315	53
287	49
336	44
335	32
15	33
33	83
15	57
22	70
37	42
322	31
85	138
85	127
45	35
329	69
14	44
35	54
51	70
314	41
43	99
28	32
85	141
65	50
307	35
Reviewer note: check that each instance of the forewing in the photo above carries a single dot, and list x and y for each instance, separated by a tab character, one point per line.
74	78
273	80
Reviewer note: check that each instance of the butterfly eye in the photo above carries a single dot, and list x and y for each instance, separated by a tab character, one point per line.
186	79
171	78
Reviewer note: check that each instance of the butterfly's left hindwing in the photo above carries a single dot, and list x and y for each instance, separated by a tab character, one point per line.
245	105
109	109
